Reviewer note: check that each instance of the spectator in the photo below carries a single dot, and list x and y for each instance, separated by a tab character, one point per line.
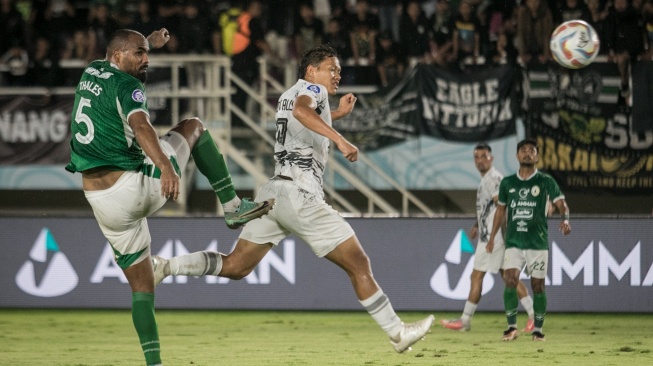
249	44
466	34
170	12
441	34
572	10
389	16
534	27
194	29
414	33
338	38
364	27
309	30
624	37
59	22
145	21
390	60
597	21
102	26
12	27
44	67
78	48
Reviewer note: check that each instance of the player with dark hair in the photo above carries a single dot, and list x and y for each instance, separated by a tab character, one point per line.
528	194
303	136
486	198
128	173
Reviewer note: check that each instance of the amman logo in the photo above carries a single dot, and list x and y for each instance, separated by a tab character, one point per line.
59	277
440	282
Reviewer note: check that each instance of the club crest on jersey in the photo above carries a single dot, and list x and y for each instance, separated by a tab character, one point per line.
535	191
314	88
138	96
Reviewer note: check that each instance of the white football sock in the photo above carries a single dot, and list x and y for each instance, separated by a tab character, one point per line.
527	303
468	312
196	264
232	205
379	307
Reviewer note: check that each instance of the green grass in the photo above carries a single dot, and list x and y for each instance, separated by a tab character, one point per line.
81	338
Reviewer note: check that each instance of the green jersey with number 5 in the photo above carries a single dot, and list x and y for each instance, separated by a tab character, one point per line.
527	204
101	135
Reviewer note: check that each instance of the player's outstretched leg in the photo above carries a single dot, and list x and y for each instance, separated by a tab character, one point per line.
411	333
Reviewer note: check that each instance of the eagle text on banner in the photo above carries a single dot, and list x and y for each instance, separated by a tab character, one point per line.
35	130
464	107
585	135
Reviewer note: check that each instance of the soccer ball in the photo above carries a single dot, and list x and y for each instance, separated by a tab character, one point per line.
574	44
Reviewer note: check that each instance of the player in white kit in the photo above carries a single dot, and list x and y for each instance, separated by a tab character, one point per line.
486	198
304	133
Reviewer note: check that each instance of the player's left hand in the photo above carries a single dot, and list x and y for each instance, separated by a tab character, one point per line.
159	38
347	103
565	227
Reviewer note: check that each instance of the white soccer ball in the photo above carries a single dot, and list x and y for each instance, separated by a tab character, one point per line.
574	44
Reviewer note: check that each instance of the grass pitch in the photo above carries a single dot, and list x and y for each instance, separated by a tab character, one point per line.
81	338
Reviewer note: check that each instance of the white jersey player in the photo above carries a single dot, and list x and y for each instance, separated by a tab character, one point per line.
304	133
484	261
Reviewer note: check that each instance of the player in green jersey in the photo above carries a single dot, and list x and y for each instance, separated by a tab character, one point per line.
128	173
527	195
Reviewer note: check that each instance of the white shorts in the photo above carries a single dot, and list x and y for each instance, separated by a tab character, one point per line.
536	261
489	262
121	210
298	212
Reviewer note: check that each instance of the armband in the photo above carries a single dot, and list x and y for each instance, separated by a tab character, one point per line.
565	216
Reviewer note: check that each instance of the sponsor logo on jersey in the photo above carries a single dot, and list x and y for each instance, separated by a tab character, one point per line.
314	88
59	277
138	96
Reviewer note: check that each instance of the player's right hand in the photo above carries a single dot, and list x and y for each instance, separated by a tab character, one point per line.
490	245
169	184
473	234
347	149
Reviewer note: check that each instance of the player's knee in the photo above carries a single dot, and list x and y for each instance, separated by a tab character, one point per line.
193	123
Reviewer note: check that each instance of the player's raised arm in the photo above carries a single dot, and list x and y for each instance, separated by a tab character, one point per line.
306	115
345	107
158	38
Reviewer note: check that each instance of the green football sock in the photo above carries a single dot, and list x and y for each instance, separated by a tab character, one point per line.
510	304
539	306
211	164
145	324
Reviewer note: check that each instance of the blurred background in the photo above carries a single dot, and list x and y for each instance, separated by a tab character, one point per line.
433	78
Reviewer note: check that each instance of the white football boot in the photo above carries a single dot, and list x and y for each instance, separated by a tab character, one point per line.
158	265
411	333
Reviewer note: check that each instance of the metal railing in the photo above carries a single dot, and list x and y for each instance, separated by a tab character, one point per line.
209	93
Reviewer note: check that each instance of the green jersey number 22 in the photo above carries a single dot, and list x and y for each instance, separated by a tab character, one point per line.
80	117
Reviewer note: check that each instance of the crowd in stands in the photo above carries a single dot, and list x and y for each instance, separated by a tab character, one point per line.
387	36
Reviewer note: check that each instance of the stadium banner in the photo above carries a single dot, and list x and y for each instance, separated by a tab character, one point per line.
383	118
642	80
35	129
421	264
428	101
586	138
468	106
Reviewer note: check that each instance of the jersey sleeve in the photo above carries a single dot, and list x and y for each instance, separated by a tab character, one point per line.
132	98
503	193
313	91
554	190
495	182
